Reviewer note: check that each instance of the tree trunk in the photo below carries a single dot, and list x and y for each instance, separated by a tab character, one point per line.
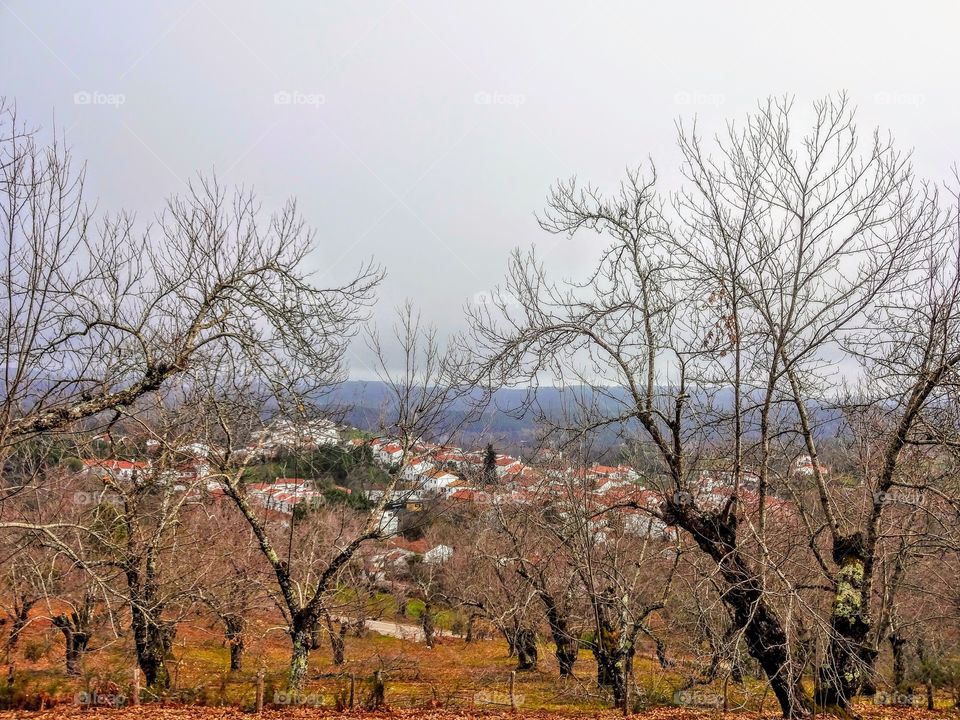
926	665
337	640
153	641
378	692
20	616
849	661
76	639
153	637
526	644
300	637
235	625
426	622
567	646
610	675
316	636
610	660
898	646
511	638
766	639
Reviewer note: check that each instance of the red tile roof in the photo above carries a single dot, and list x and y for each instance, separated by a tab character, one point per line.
115	464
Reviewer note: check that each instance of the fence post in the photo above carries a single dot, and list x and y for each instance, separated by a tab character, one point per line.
513	682
379	691
353	681
135	688
626	694
259	700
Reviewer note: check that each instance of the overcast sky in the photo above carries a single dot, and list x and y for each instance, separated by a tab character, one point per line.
426	134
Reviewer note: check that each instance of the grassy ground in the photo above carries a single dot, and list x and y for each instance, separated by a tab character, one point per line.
155	712
454	677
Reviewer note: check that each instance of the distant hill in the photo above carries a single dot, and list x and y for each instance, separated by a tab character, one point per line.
505	422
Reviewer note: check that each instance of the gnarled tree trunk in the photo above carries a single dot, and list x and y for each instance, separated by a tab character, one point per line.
763	630
525	643
234	626
849	662
76	633
567	645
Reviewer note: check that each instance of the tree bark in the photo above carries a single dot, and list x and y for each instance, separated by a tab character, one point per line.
153	640
848	665
608	649
235	625
766	639
337	640
898	647
20	616
76	637
152	637
567	646
426	622
300	637
526	646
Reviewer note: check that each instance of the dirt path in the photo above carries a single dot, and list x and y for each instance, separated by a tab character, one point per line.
413	633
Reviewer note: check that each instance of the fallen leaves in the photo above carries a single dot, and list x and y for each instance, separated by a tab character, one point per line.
166	712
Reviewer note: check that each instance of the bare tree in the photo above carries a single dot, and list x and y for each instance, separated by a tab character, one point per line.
420	392
817	252
775	250
97	315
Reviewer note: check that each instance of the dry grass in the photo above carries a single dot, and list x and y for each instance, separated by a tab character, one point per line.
454	677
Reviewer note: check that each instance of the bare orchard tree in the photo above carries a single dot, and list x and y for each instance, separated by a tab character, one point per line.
125	529
815	253
483	580
624	327
910	347
23	583
232	583
702	320
99	317
420	392
538	551
97	314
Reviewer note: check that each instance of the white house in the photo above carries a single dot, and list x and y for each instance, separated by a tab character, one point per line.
507	465
416	468
438	555
437	480
389	453
119	469
389	522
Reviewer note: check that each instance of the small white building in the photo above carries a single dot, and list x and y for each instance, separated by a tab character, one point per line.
437	480
389	453
438	555
416	468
